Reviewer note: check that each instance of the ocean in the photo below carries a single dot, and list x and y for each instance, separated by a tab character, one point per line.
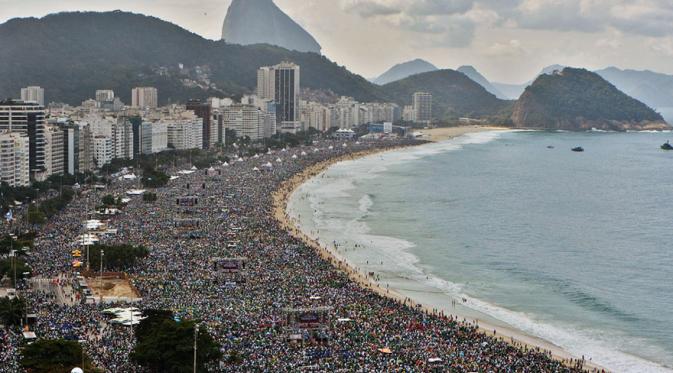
572	248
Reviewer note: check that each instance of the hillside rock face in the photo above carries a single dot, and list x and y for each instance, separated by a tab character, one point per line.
577	100
262	22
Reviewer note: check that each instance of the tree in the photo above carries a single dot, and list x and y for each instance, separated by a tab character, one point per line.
109	200
166	345
154	179
7	269
54	356
35	215
117	257
12	311
149	197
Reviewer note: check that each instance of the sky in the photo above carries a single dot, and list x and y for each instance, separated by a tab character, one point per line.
508	41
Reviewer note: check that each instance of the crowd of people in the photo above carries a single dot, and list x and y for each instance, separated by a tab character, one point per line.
246	312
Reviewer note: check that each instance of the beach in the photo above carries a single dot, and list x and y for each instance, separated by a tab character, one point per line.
365	280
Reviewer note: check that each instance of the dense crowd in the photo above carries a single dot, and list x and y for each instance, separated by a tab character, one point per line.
365	331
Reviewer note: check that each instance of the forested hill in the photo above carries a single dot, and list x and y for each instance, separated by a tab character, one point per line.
73	54
454	95
577	99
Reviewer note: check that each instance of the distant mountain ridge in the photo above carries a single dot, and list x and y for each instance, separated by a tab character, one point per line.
654	89
577	99
404	70
262	22
473	74
454	95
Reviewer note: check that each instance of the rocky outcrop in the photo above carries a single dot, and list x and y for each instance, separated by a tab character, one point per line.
262	22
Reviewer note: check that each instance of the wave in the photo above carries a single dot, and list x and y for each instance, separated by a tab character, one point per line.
344	224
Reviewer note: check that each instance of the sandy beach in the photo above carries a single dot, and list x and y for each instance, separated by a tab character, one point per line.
509	335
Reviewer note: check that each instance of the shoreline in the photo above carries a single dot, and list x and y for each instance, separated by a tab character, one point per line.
507	334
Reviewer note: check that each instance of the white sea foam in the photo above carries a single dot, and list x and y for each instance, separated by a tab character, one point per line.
341	222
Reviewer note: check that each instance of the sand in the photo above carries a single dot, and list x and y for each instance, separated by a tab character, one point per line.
283	194
112	287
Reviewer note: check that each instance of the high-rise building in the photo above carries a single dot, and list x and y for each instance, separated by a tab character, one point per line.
144	98
422	103
154	137
102	150
27	118
86	149
203	110
184	134
284	81
53	139
33	94
122	139
105	95
266	83
245	120
14	159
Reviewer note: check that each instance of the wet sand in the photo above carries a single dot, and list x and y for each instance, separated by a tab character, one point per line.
281	198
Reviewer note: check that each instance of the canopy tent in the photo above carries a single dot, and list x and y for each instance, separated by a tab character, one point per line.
136	192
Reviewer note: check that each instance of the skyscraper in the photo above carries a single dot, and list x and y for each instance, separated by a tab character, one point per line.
202	109
422	105
27	118
144	97
284	81
33	94
14	159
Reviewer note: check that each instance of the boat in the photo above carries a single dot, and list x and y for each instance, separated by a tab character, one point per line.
578	149
667	146
550	147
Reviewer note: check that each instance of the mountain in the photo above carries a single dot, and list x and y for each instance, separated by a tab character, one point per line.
514	91
454	95
473	74
654	89
403	70
262	22
577	99
73	54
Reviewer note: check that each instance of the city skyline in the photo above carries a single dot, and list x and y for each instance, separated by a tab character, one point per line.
509	41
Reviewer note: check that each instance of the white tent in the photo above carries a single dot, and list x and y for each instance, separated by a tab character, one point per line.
136	192
268	165
330	147
294	156
256	155
225	164
278	160
303	154
255	169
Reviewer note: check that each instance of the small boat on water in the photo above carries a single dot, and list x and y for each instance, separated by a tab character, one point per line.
550	147
667	146
578	149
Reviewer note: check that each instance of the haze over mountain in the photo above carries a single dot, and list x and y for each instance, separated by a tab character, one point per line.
654	89
514	91
473	74
577	99
454	95
262	22
403	70
64	53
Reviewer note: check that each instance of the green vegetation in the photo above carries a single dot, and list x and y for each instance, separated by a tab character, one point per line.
577	98
149	197
154	179
7	268
116	257
164	345
454	95
141	50
12	311
7	243
55	356
110	201
53	184
38	214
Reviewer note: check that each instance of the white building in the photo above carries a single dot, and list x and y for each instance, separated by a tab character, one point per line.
144	97
54	157
315	115
14	159
102	150
27	118
185	133
33	94
122	139
422	103
154	137
247	120
105	95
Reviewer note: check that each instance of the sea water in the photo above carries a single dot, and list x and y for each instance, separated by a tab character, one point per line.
573	248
